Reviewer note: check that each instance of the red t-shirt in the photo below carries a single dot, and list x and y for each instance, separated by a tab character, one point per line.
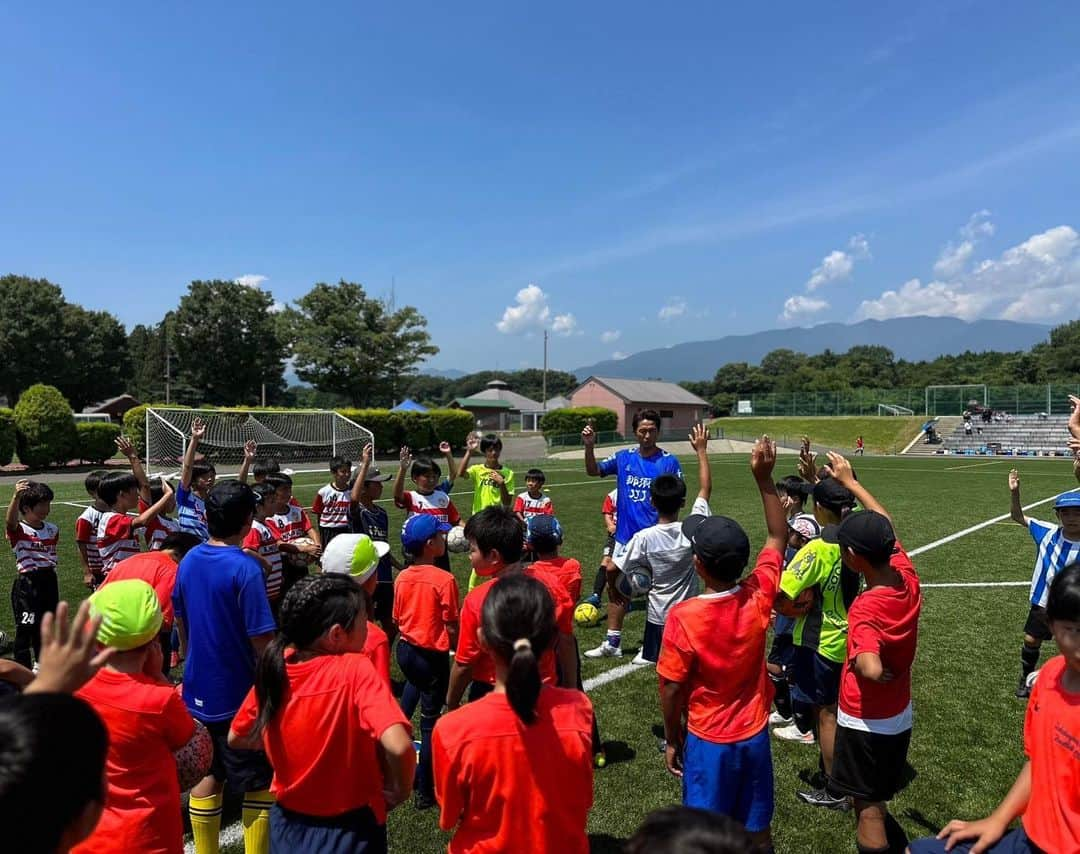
116	539
715	644
158	528
1052	743
155	568
567	570
511	787
469	650
322	743
425	600
146	722
884	620
377	648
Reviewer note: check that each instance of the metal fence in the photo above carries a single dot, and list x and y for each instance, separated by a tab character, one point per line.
1051	398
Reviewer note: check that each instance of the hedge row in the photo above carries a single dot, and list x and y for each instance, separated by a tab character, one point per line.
573	420
96	441
7	436
44	427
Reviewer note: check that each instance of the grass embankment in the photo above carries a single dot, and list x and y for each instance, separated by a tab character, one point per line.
882	435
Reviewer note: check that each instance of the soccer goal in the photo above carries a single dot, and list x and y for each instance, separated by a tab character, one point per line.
893	409
954	399
303	440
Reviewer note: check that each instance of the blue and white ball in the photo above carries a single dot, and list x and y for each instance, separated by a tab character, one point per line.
633	584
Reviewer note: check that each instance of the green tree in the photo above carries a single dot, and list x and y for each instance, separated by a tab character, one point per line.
227	343
345	342
95	363
1060	356
30	312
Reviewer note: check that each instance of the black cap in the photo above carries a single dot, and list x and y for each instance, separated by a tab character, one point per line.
374	474
866	533
832	494
720	542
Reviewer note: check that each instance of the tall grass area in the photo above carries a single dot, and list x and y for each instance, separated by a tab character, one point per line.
967	745
882	435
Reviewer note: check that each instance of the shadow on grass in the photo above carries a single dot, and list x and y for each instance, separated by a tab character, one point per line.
618	751
917	816
605	843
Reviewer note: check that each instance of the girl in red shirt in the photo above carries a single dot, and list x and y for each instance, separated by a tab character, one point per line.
340	747
515	766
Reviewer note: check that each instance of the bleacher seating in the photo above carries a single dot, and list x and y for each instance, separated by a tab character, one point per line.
1025	435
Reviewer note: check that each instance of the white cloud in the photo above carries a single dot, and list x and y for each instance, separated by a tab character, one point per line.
954	257
610	336
838	264
250	280
619	355
1038	279
277	307
978	226
675	307
800	307
529	313
564	324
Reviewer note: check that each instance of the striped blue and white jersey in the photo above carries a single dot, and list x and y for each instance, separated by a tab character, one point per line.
1053	552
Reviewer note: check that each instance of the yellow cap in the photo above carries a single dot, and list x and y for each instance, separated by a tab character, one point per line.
130	612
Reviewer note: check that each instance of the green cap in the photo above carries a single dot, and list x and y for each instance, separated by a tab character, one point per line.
130	612
356	555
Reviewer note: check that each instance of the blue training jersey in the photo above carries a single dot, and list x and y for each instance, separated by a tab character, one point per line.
634	475
220	595
1053	552
376	524
191	513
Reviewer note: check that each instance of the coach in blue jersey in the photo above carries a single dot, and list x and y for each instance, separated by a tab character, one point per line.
634	470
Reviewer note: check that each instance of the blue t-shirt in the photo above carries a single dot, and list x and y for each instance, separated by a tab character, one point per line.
191	513
1053	552
220	594
634	475
376	524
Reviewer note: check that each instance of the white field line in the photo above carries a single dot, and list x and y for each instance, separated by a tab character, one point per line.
970	465
234	832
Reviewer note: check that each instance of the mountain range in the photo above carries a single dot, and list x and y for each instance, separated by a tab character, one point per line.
911	338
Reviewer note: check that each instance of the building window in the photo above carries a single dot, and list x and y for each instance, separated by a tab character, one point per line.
667	413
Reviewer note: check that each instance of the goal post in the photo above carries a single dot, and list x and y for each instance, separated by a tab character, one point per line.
953	399
303	440
893	409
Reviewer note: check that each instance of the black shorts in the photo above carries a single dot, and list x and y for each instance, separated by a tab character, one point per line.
1037	625
817	679
382	602
869	766
650	646
609	546
782	651
242	770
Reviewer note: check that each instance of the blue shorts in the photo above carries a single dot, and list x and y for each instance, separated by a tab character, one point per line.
733	779
355	831
1013	842
817	679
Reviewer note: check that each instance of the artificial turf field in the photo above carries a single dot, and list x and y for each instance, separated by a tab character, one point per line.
967	743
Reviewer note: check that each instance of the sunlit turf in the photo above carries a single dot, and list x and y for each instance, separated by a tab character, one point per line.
967	745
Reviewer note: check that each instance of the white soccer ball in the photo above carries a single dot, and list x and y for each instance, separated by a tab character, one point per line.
456	541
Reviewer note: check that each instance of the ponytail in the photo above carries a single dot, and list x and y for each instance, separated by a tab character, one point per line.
519	627
313	606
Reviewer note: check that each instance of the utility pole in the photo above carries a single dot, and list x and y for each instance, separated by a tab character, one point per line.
168	363
264	395
544	380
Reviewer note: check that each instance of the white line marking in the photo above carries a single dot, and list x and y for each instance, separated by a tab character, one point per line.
970	465
610	675
941	584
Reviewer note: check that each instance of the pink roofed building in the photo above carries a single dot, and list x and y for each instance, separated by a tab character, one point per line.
679	409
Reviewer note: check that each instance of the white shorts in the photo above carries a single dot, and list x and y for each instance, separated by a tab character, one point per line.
618	552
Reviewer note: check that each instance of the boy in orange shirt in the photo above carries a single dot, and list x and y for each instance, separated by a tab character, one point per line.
146	720
513	770
712	665
496	543
426	613
1046	795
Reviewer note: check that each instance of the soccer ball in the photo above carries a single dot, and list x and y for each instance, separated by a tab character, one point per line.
456	541
633	584
587	615
193	759
299	558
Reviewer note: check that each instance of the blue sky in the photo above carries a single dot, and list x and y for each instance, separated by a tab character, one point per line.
626	176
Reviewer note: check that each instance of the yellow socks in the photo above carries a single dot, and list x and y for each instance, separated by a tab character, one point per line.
256	818
205	816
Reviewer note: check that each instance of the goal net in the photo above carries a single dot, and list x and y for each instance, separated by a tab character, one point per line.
301	440
954	399
893	409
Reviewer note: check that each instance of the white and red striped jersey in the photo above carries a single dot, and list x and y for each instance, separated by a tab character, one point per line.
86	534
35	548
263	539
610	505
438	504
331	505
529	506
116	539
157	529
293	524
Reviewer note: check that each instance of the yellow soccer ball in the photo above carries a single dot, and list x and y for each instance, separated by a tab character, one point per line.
587	615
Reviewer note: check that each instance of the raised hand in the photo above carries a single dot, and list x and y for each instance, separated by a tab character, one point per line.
365	455
1074	418
166	489
699	437
1014	480
763	458
198	428
588	436
807	465
444	447
69	656
251	448
21	486
124	446
840	469
473	442
405	455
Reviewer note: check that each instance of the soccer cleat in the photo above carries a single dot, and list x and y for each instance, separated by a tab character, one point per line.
641	661
1023	688
822	798
777	719
605	650
792	733
593	600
